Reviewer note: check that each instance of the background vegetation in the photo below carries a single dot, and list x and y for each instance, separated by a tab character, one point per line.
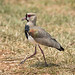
57	17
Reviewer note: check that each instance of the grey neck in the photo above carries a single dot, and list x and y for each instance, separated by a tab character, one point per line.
34	22
31	23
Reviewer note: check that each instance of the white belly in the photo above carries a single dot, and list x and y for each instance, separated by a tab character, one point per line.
31	39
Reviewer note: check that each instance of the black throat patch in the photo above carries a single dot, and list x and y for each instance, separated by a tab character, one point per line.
26	30
26	18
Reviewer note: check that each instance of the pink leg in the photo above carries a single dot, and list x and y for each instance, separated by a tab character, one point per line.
43	55
28	57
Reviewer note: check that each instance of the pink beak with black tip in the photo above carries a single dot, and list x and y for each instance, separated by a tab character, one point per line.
23	19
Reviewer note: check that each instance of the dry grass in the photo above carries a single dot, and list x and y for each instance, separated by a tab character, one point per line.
55	16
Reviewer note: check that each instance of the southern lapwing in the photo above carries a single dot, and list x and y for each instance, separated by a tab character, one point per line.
38	36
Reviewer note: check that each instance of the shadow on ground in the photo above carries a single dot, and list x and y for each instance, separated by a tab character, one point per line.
42	64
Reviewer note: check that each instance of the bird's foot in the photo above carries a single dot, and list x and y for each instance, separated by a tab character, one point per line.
46	64
22	62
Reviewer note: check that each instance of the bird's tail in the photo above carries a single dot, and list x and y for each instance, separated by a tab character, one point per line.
57	45
61	49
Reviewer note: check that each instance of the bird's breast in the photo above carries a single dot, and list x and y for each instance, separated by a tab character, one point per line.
31	39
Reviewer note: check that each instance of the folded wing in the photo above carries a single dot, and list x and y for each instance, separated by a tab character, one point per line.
44	38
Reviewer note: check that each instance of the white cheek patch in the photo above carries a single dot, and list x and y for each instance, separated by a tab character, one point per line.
27	18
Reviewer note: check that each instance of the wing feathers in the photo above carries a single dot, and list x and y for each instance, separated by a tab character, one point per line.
44	38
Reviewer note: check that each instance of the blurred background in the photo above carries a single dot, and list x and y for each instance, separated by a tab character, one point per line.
57	17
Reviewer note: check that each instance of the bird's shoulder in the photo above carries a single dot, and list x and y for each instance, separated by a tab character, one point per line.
38	32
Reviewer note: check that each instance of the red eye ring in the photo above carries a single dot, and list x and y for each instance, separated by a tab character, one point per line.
29	15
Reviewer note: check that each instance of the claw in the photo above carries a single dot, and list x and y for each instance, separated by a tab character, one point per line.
22	62
46	64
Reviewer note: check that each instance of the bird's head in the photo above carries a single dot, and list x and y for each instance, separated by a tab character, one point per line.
30	17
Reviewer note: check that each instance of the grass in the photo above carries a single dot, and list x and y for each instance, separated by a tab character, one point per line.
56	17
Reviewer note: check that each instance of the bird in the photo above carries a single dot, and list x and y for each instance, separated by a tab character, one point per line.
38	35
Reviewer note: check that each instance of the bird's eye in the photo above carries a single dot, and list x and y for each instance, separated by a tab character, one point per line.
29	15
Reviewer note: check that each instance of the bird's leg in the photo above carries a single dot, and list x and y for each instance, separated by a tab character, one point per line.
43	55
28	57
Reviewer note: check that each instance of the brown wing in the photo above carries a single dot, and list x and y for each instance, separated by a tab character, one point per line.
42	37
37	32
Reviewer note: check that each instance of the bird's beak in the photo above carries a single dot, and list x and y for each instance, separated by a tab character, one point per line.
23	19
